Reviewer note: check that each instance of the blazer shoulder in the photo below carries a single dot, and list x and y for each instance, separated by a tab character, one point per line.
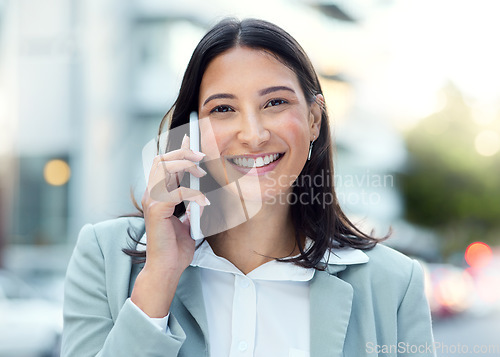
98	276
387	276
112	235
388	264
383	255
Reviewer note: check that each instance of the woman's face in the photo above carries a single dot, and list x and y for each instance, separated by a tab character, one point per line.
255	123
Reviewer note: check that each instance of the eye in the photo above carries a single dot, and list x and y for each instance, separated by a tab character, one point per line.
222	109
275	102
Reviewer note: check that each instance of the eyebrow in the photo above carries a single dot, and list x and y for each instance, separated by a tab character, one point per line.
261	93
219	96
275	89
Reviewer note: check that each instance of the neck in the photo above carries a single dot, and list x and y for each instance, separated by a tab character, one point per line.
268	235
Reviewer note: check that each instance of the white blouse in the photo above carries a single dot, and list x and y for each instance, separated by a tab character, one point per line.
263	313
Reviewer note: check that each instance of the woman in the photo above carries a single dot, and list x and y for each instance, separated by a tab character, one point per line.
294	278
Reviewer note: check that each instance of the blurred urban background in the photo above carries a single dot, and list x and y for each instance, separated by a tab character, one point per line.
412	86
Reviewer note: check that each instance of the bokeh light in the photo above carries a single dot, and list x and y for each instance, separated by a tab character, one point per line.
478	254
56	172
487	143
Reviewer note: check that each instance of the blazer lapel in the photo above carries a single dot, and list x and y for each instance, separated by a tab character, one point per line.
330	311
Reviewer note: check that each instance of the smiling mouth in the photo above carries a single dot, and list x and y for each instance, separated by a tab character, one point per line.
259	161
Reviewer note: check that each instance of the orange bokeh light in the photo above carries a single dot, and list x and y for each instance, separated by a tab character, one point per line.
478	254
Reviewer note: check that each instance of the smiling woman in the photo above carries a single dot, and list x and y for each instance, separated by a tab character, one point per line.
262	123
294	278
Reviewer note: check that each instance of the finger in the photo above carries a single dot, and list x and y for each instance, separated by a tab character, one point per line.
185	142
188	194
185	145
161	176
180	166
186	218
176	155
179	154
178	195
159	208
171	173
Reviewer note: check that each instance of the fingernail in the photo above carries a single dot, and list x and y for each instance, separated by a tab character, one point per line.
202	171
199	153
207	201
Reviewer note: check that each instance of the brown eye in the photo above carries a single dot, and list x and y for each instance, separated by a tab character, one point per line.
275	102
221	109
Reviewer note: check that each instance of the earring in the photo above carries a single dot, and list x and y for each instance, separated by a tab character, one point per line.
310	149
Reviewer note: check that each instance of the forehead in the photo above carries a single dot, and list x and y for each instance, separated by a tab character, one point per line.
242	66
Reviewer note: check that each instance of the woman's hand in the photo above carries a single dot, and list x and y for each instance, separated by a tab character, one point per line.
169	247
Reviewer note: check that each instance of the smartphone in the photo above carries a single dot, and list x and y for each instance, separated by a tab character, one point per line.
194	182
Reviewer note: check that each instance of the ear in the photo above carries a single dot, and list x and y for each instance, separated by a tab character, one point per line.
316	110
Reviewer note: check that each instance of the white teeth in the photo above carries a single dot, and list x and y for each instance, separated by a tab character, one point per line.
258	162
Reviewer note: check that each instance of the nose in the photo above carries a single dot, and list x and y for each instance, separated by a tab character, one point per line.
252	131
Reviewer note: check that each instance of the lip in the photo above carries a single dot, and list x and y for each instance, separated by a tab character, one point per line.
255	171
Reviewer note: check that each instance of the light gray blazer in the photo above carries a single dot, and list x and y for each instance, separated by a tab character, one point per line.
356	310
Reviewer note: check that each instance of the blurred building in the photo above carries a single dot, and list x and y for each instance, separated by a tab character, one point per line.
85	84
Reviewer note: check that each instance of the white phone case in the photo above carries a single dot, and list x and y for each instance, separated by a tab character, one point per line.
194	182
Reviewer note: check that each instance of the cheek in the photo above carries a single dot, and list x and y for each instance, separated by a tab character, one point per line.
294	129
211	142
211	138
